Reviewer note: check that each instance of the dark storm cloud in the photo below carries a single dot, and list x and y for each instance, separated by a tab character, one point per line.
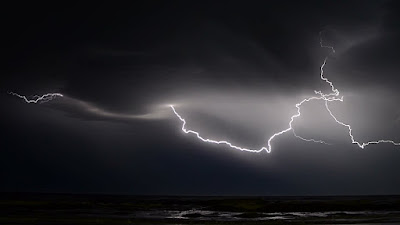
234	70
201	45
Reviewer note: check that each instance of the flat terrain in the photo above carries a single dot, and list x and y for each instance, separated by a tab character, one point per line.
17	208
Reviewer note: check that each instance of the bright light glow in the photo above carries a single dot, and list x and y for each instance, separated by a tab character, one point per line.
333	96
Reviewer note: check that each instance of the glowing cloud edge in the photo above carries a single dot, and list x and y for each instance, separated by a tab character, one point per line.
333	96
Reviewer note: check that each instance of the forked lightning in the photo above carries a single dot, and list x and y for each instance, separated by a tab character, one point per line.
36	98
333	96
330	97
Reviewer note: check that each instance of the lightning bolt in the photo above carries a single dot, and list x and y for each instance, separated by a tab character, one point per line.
353	141
309	140
330	97
210	140
269	146
335	93
333	96
36	98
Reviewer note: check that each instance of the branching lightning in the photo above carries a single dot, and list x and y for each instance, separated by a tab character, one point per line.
36	98
330	97
353	141
333	96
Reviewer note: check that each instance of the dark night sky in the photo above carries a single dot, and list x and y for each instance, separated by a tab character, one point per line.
234	69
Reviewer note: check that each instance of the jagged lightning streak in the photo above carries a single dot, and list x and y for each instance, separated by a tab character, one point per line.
353	141
210	140
36	98
267	149
309	140
335	92
333	96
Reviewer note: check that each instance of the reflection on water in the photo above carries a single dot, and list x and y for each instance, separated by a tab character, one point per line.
199	214
113	210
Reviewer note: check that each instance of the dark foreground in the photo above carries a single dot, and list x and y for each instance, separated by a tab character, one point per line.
106	209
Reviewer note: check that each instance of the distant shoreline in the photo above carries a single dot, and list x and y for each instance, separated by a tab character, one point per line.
52	208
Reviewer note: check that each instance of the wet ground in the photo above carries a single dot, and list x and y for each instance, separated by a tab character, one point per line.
107	209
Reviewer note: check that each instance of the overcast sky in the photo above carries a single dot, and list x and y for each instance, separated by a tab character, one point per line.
234	70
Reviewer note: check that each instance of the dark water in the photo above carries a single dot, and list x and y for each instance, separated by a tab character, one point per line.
107	209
